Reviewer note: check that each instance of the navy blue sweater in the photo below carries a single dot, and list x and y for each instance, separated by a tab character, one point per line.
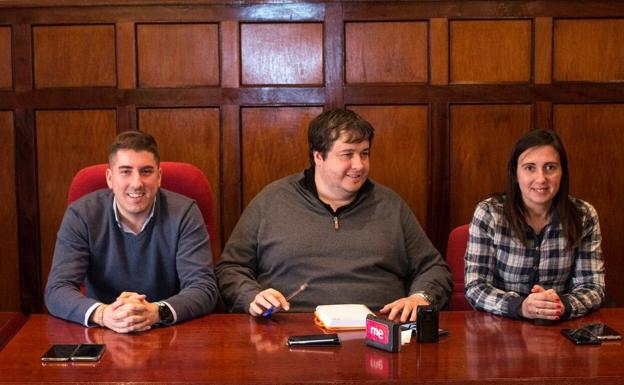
169	260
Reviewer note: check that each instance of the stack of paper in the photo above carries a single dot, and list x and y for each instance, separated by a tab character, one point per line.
341	317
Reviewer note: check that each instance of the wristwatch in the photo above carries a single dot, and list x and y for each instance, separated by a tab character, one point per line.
425	296
164	313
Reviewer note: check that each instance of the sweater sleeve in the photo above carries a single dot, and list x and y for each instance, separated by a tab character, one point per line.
69	268
237	267
198	287
428	270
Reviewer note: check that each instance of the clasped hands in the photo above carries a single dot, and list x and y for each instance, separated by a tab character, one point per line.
403	309
542	304
131	312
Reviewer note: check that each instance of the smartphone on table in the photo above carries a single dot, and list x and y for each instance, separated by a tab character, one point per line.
73	352
88	352
603	332
314	340
581	336
59	353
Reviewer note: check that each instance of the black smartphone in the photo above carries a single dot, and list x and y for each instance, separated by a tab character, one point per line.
603	332
88	352
59	353
314	340
581	336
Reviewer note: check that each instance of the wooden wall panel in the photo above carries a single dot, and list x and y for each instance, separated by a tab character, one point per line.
189	135
231	86
274	145
400	152
589	50
66	142
282	53
9	264
389	52
176	55
482	137
74	56
592	135
6	56
490	51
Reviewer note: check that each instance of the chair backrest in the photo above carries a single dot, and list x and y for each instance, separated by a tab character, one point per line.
455	250
183	178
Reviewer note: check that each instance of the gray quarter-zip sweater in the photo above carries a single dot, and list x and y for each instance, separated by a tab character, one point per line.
377	254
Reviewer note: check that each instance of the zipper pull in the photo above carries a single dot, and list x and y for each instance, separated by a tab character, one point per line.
336	224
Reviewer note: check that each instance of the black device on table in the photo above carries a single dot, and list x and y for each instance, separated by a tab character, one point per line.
74	352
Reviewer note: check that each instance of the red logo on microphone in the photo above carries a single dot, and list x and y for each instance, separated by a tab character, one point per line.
377	331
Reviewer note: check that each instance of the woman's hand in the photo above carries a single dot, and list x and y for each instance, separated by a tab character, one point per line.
542	304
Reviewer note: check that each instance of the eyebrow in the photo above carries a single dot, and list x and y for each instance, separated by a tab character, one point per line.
126	167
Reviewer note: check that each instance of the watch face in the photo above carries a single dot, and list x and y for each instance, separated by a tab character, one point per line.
165	313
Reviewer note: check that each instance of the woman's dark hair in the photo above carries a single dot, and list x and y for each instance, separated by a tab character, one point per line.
515	210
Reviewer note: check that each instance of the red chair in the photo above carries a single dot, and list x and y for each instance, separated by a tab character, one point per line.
455	250
183	178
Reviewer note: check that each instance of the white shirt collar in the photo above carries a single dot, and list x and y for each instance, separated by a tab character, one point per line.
125	228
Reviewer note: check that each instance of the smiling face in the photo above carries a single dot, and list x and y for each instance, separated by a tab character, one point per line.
134	178
344	170
539	175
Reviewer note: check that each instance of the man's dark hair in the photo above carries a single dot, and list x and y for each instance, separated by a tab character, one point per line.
136	141
515	210
326	128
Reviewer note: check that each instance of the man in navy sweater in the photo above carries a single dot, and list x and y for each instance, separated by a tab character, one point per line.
142	252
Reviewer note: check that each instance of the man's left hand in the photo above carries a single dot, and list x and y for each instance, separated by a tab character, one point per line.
404	307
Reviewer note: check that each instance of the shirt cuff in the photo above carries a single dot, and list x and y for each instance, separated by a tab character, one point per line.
515	307
567	308
88	315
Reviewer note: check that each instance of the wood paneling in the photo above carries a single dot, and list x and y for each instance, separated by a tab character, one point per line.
126	55
175	55
6	55
589	50
399	155
230	59
490	51
275	144
9	265
592	136
74	56
282	53
449	86
189	135
66	142
439	51
390	52
543	50
482	137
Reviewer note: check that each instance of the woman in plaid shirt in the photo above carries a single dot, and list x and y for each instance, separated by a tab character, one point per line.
534	251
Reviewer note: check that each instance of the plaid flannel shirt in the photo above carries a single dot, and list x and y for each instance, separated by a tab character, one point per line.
500	271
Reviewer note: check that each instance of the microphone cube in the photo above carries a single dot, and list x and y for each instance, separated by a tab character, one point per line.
383	334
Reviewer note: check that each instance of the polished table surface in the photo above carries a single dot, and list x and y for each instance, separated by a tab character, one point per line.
10	323
234	348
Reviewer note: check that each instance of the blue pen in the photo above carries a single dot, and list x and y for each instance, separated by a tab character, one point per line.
272	309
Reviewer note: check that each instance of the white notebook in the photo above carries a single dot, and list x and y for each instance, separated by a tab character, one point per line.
344	316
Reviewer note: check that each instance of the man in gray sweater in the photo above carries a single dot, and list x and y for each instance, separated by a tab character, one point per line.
350	239
143	253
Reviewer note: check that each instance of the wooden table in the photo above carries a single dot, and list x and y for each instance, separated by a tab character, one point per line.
232	349
10	323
